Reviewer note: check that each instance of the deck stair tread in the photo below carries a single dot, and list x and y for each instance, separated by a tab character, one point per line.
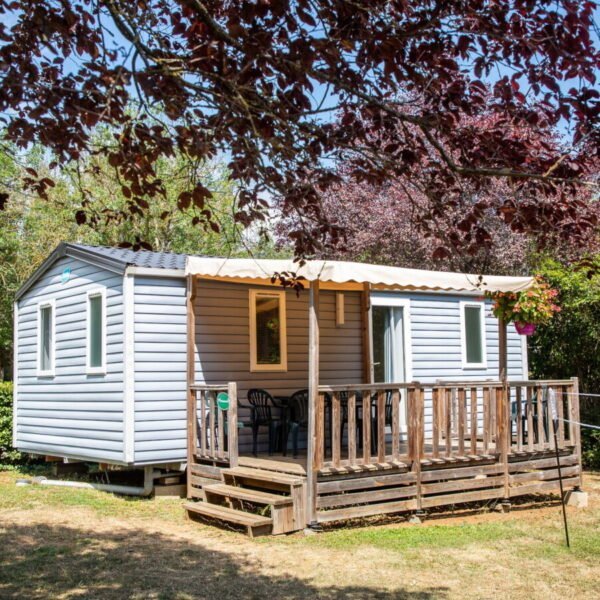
241	493
224	513
275	464
262	475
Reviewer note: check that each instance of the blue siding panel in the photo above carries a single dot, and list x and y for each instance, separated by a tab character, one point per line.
71	414
436	343
160	370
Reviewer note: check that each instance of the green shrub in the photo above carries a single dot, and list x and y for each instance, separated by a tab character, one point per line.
590	449
567	346
8	455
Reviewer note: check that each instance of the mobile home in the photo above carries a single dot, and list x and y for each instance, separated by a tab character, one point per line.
120	357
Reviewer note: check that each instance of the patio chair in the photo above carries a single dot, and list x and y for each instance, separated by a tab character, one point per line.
538	406
388	418
514	418
359	419
261	414
297	419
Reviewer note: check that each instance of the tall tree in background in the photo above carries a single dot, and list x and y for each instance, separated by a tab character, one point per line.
31	227
111	218
260	81
385	225
473	229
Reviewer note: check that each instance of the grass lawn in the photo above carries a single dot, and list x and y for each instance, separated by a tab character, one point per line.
67	543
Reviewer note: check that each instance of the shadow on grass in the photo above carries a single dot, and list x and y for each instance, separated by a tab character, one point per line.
42	561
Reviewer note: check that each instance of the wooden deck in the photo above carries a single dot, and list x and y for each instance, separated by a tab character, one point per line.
484	442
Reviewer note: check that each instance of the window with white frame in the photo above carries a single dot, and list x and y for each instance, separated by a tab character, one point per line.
473	335
268	342
96	331
46	338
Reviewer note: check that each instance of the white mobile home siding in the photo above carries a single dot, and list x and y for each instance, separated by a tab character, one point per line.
71	414
436	340
436	346
77	415
160	369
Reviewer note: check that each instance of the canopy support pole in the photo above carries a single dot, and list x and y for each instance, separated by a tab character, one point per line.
367	351
503	408
313	397
190	378
502	350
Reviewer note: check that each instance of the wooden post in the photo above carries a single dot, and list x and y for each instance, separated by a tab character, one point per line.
417	424
367	351
232	424
436	398
191	374
502	352
503	422
574	416
313	393
503	408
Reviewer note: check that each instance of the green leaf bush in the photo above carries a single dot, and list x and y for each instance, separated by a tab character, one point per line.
8	455
569	344
590	448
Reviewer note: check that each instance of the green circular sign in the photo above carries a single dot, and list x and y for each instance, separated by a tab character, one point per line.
223	400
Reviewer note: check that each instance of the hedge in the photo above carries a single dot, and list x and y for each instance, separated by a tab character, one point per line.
8	454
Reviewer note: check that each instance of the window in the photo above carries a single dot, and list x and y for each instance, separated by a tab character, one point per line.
268	344
473	335
46	339
96	332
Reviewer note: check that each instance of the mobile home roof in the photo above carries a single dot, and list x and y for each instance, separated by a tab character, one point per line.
119	259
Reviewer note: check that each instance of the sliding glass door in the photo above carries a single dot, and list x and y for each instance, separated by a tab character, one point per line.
389	364
390	328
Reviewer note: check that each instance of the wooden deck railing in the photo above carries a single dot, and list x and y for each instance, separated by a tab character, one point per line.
359	415
362	425
531	416
215	431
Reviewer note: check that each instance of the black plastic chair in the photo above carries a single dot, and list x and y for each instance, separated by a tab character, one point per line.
538	406
298	418
261	413
358	418
389	415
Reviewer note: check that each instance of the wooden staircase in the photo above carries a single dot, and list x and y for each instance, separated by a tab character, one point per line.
264	502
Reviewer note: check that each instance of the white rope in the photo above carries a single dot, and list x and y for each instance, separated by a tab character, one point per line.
582	394
581	424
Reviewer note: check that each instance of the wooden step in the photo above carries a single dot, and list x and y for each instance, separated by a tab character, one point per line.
255	524
255	496
261	475
280	465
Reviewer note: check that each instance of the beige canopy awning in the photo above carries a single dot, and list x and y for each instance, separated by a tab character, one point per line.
340	272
